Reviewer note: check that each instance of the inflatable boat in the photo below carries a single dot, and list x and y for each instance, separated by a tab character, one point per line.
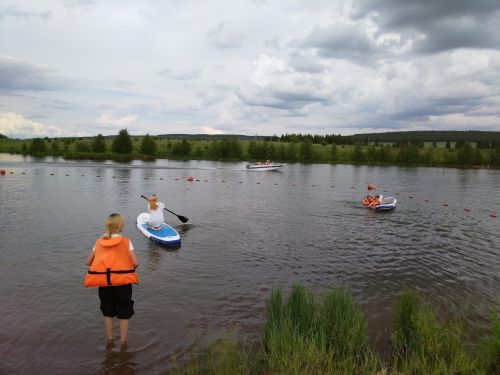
387	203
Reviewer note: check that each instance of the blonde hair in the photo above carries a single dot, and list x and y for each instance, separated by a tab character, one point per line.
114	224
152	202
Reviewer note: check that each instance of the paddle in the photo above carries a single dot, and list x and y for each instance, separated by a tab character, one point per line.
184	219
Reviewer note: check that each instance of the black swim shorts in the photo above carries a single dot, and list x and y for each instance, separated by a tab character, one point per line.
117	301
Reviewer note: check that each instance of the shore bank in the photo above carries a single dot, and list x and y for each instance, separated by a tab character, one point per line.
306	334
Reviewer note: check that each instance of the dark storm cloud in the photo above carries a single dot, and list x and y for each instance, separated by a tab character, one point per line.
14	11
18	75
444	24
341	41
282	99
421	110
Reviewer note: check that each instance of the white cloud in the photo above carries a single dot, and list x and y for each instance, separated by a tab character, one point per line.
107	119
267	67
223	37
458	121
211	131
19	127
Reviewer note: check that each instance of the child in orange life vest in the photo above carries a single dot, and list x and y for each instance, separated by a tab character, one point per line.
112	263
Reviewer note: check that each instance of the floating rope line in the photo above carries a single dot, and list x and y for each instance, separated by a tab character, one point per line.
493	215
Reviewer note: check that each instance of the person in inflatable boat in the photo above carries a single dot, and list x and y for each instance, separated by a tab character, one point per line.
155	209
112	263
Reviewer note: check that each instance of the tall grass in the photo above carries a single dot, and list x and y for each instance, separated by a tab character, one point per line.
305	334
489	353
309	336
345	330
424	345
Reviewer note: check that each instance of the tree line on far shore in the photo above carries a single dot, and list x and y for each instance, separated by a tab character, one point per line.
290	148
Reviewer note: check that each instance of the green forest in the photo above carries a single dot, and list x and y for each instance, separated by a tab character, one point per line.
463	149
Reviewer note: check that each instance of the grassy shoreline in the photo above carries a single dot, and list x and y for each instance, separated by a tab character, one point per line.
307	334
464	155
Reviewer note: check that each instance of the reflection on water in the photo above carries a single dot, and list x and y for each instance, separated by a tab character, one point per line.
118	363
183	229
248	233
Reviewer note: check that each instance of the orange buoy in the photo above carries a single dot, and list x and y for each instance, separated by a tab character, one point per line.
445	204
371	186
467	209
190	178
2	171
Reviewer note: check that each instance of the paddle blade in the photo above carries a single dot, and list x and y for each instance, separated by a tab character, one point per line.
184	219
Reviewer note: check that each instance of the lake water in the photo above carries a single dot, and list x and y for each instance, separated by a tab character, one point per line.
248	233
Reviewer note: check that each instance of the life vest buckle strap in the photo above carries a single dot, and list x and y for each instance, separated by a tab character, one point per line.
108	273
123	271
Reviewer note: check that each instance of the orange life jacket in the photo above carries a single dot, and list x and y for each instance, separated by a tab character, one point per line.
112	264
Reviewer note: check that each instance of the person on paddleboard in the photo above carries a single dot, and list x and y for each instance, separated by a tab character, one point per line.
155	209
112	263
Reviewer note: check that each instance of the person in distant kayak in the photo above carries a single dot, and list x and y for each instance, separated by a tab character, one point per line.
155	209
112	263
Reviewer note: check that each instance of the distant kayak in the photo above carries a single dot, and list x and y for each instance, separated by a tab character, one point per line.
166	235
265	167
387	203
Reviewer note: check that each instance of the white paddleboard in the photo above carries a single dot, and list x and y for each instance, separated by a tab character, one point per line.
166	235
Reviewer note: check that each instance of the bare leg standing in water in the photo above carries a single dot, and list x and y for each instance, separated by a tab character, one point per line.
123	333
109	327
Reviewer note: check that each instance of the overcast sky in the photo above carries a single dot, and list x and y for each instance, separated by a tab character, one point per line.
83	67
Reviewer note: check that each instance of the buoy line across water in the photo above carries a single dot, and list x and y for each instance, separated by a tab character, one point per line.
191	179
